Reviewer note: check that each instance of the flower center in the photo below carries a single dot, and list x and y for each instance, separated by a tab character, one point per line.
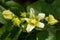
33	21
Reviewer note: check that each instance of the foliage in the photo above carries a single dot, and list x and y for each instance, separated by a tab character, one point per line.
10	32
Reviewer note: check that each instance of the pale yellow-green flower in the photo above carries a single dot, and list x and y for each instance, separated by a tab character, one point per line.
51	20
16	21
34	21
7	14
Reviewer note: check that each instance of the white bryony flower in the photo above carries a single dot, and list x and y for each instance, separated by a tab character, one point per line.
51	20
29	28
32	12
7	14
33	21
41	16
16	21
40	25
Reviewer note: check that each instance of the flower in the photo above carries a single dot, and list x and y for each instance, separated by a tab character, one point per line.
29	28
33	21
41	16
16	21
51	20
7	14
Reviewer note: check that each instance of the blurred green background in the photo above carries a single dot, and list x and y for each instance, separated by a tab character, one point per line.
8	32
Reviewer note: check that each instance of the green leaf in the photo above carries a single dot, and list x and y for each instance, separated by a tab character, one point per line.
2	20
10	32
35	35
51	32
2	2
2	8
6	30
14	7
42	35
14	4
42	6
14	33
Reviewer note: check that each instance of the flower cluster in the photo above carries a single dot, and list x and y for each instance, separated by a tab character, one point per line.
29	21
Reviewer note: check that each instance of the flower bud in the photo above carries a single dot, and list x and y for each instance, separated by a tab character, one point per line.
51	20
16	21
23	14
7	14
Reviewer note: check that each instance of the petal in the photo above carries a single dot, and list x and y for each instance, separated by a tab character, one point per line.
32	12
41	16
40	25
29	28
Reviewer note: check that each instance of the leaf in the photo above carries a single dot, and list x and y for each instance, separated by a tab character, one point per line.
42	6
2	8
42	35
14	4
51	33
10	32
19	33
32	35
14	33
14	7
35	35
2	20
6	30
2	2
